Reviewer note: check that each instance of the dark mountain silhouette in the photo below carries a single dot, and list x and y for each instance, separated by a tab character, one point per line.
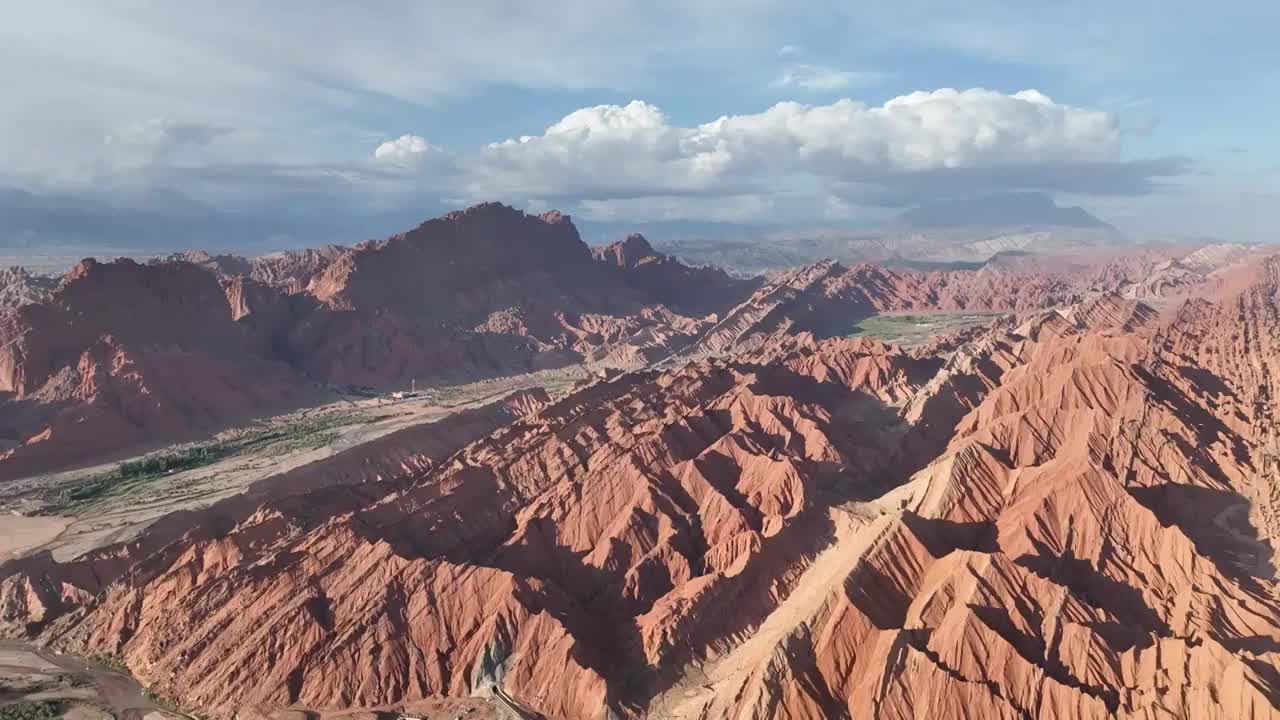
999	210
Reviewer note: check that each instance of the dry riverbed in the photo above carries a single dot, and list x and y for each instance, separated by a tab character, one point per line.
70	513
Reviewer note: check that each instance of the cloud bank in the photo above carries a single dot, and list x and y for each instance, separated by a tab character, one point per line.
944	142
791	161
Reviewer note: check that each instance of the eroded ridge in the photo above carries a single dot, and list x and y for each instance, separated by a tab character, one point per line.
1030	524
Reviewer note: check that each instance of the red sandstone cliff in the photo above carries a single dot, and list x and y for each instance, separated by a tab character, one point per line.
1064	517
491	290
19	287
124	353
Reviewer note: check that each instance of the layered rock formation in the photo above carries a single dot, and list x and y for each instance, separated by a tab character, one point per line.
484	292
490	290
1067	513
126	353
294	270
692	290
828	299
1175	273
288	270
19	287
123	354
1054	519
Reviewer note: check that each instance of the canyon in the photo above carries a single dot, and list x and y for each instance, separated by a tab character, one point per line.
120	355
1070	510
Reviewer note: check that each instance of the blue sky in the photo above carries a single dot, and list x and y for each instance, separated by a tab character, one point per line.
257	123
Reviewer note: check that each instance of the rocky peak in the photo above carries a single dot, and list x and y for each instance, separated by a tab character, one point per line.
627	252
554	217
19	287
490	209
450	255
80	270
222	266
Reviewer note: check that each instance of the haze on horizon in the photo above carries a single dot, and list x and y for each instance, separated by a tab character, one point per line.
251	125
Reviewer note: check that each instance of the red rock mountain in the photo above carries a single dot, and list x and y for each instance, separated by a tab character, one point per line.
692	290
289	270
19	287
123	354
126	353
490	290
828	299
1070	514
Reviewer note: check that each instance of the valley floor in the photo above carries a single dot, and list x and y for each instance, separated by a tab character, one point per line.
71	513
913	328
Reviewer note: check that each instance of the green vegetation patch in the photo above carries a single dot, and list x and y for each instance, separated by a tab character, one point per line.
42	710
889	325
308	434
164	703
908	329
111	662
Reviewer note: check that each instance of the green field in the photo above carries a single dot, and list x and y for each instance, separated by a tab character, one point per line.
41	710
913	329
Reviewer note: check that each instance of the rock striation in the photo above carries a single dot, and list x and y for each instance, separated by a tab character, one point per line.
120	354
123	354
19	287
1068	514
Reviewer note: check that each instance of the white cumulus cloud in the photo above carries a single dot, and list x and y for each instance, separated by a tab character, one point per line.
633	150
603	151
404	150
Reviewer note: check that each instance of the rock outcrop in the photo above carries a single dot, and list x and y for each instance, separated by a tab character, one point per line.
490	291
19	287
691	290
123	354
828	299
288	270
294	270
1064	516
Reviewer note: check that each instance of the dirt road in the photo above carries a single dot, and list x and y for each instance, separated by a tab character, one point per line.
53	676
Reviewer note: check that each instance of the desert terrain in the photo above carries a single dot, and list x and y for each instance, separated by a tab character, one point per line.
639	361
642	489
76	511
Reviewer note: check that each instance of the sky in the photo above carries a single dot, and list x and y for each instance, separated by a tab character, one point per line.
262	124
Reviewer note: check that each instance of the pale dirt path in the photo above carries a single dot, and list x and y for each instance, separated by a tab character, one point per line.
18	534
99	685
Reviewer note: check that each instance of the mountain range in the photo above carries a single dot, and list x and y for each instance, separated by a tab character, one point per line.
1021	209
1069	509
953	233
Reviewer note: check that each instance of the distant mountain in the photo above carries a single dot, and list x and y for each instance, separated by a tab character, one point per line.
957	234
597	232
19	287
998	211
148	221
954	248
121	354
